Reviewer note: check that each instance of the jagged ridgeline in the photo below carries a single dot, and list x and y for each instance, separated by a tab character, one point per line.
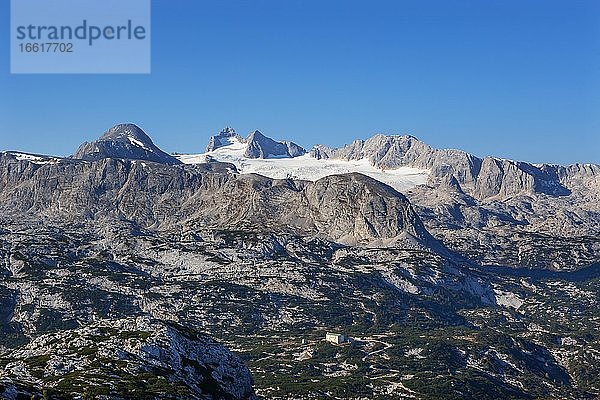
130	273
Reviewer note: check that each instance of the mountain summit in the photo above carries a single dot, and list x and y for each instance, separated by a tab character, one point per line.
256	145
127	141
224	138
260	146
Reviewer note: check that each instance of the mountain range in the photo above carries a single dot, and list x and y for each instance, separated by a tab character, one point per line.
441	266
494	211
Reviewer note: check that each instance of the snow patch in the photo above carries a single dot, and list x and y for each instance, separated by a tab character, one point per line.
33	158
416	353
138	143
306	167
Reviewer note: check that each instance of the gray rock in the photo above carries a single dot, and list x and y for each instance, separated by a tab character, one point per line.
185	360
260	146
493	210
293	149
344	208
482	179
126	141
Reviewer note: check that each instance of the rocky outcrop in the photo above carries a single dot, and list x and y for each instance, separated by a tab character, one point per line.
126	141
354	207
541	226
506	178
293	149
119	357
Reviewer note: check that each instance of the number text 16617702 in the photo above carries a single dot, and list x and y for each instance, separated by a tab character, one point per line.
47	47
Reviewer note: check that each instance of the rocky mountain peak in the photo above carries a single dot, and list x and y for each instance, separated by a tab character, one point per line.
123	132
126	141
226	137
228	131
257	136
261	146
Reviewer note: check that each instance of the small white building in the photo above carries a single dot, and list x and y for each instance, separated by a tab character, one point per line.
335	338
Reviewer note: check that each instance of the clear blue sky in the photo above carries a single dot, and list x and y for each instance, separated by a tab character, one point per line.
513	78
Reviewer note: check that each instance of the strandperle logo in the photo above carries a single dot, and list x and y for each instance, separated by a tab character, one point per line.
85	31
80	36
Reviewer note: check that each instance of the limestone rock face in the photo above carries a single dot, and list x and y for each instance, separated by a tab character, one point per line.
506	178
293	149
495	211
260	146
126	141
357	208
481	178
397	151
348	208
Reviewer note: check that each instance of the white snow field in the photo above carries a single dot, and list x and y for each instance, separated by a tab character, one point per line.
306	167
36	159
